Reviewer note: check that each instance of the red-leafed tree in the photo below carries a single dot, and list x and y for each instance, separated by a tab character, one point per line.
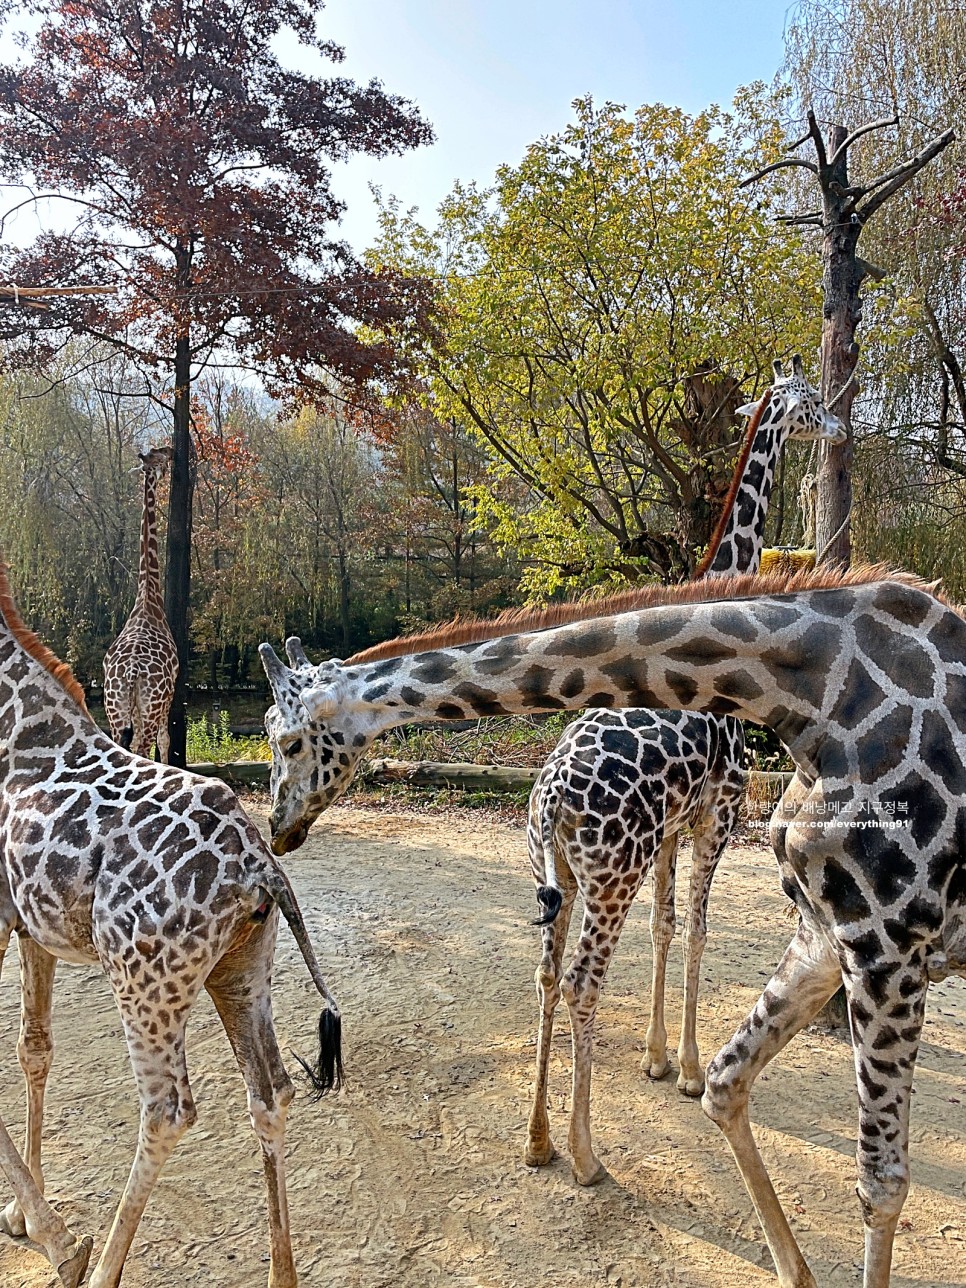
197	166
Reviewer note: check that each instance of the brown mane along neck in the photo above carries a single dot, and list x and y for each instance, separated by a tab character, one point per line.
31	644
729	502
743	586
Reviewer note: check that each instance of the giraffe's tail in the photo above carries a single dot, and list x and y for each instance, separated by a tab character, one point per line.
127	737
326	1073
549	895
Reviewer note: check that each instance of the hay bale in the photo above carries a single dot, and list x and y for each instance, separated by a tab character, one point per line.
786	559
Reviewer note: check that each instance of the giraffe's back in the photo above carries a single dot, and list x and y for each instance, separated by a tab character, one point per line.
619	781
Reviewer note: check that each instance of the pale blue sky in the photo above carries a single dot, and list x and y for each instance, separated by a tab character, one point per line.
492	75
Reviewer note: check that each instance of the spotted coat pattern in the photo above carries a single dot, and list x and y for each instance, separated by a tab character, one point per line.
618	790
863	677
158	877
141	666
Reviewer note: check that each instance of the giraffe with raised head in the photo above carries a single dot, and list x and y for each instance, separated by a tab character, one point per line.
861	674
619	788
159	877
141	666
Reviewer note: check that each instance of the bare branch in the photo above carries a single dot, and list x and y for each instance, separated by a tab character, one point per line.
846	143
812	217
897	178
798	143
816	137
780	165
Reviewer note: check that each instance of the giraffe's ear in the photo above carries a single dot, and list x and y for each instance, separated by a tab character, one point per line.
321	702
791	404
747	410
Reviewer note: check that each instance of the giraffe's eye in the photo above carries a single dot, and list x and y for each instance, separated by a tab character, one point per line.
293	748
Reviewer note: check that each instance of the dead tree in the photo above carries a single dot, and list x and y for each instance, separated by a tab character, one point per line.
845	210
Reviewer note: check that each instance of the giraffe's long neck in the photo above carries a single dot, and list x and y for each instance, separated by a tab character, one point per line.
149	594
738	540
771	660
38	717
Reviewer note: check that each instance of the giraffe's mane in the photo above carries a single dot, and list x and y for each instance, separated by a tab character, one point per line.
32	644
736	478
473	630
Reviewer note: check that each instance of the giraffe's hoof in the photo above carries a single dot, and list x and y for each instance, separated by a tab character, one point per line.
592	1175
539	1155
693	1087
73	1270
656	1069
12	1220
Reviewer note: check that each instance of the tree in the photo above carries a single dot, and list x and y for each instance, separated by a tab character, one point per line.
900	62
69	502
448	566
846	207
603	304
199	168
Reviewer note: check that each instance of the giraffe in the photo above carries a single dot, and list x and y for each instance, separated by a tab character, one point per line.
141	665
159	877
862	674
619	788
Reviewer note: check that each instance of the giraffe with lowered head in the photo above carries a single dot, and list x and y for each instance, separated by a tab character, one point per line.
141	666
861	674
158	877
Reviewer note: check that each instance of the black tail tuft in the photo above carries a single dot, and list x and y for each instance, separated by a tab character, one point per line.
127	737
549	899
326	1074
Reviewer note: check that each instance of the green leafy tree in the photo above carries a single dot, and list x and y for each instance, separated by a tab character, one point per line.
607	305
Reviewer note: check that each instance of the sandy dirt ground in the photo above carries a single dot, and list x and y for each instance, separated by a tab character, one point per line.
413	1176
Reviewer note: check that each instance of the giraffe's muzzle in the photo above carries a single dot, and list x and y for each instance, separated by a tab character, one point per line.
289	840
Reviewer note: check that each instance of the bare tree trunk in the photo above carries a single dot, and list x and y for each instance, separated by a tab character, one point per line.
177	580
844	213
842	312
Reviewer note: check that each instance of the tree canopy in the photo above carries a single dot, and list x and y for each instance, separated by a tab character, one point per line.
197	168
197	165
607	304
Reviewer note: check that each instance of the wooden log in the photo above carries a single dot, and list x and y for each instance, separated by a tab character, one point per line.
240	773
431	773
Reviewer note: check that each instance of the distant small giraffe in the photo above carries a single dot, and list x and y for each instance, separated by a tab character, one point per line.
618	790
141	666
159	877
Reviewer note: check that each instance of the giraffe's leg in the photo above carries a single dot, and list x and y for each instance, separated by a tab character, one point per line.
164	740
655	1062
539	1148
35	1051
240	987
581	988
710	838
156	1047
41	1223
885	1049
806	978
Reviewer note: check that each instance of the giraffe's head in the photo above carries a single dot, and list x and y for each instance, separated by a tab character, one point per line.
157	460
316	736
796	408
